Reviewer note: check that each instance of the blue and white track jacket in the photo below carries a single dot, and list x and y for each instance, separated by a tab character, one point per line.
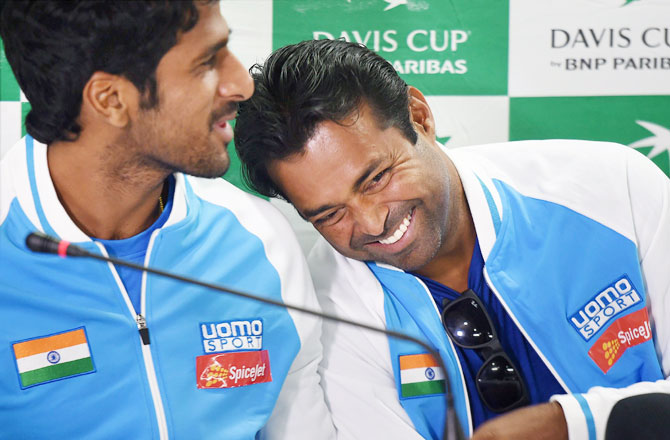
257	374
576	241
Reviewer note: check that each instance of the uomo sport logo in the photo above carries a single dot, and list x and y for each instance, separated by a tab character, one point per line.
610	302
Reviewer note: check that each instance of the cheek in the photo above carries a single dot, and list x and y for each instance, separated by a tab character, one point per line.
337	235
400	189
208	85
193	101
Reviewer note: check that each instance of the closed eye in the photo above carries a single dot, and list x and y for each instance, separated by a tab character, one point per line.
211	61
328	219
379	180
379	176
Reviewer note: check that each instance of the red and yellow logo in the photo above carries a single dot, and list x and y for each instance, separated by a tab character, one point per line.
625	332
230	370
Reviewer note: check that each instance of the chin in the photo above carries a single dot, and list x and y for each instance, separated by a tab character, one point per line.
411	262
216	165
209	169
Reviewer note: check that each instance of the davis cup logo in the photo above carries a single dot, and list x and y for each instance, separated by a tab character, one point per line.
394	4
424	40
411	4
660	141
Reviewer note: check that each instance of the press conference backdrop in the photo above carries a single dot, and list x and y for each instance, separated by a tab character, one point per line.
492	70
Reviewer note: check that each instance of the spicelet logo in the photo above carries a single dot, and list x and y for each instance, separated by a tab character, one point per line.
231	370
660	141
624	333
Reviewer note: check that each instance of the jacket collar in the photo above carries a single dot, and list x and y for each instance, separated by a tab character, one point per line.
43	207
482	197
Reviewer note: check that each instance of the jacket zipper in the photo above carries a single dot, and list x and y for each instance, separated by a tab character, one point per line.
143	331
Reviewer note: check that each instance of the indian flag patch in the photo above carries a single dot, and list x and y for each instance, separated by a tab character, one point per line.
420	375
54	357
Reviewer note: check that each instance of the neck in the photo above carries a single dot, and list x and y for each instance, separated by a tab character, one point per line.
451	265
107	195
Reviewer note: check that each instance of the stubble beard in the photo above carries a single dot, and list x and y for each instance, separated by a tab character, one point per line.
199	165
151	149
433	227
425	247
417	254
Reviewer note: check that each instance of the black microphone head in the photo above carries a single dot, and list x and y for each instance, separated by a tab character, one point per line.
43	243
40	242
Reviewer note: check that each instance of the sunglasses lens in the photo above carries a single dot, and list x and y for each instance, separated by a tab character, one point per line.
467	324
499	384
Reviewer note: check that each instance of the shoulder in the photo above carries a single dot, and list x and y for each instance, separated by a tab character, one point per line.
14	180
254	213
345	286
329	267
590	178
571	156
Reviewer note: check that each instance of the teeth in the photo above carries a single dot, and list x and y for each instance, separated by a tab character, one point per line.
397	235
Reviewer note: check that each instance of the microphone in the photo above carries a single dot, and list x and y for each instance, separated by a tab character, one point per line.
39	242
43	243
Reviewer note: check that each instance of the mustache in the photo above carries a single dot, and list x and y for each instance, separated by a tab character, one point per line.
227	109
393	219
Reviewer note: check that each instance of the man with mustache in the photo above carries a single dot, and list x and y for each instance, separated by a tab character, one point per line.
127	135
537	269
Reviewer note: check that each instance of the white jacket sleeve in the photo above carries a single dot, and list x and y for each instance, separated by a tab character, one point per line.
301	411
649	192
356	368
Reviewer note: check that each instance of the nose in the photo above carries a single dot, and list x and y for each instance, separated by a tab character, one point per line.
235	83
370	219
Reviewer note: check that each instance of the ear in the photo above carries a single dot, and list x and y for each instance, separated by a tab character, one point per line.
106	97
420	113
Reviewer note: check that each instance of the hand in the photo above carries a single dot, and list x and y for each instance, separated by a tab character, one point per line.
538	422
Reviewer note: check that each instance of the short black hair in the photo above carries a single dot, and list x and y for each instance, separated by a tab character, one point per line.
55	46
304	84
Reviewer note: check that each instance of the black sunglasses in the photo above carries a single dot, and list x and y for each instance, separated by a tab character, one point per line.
499	381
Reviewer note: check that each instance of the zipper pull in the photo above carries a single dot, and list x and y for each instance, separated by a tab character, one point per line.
142	326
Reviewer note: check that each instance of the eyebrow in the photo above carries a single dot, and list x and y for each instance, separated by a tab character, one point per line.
213	49
356	186
309	213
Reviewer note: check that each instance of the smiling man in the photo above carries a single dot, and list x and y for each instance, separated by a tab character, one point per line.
526	265
131	109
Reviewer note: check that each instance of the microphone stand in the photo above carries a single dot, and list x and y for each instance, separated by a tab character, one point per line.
39	242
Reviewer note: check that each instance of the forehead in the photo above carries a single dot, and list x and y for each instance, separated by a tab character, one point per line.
333	159
210	29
